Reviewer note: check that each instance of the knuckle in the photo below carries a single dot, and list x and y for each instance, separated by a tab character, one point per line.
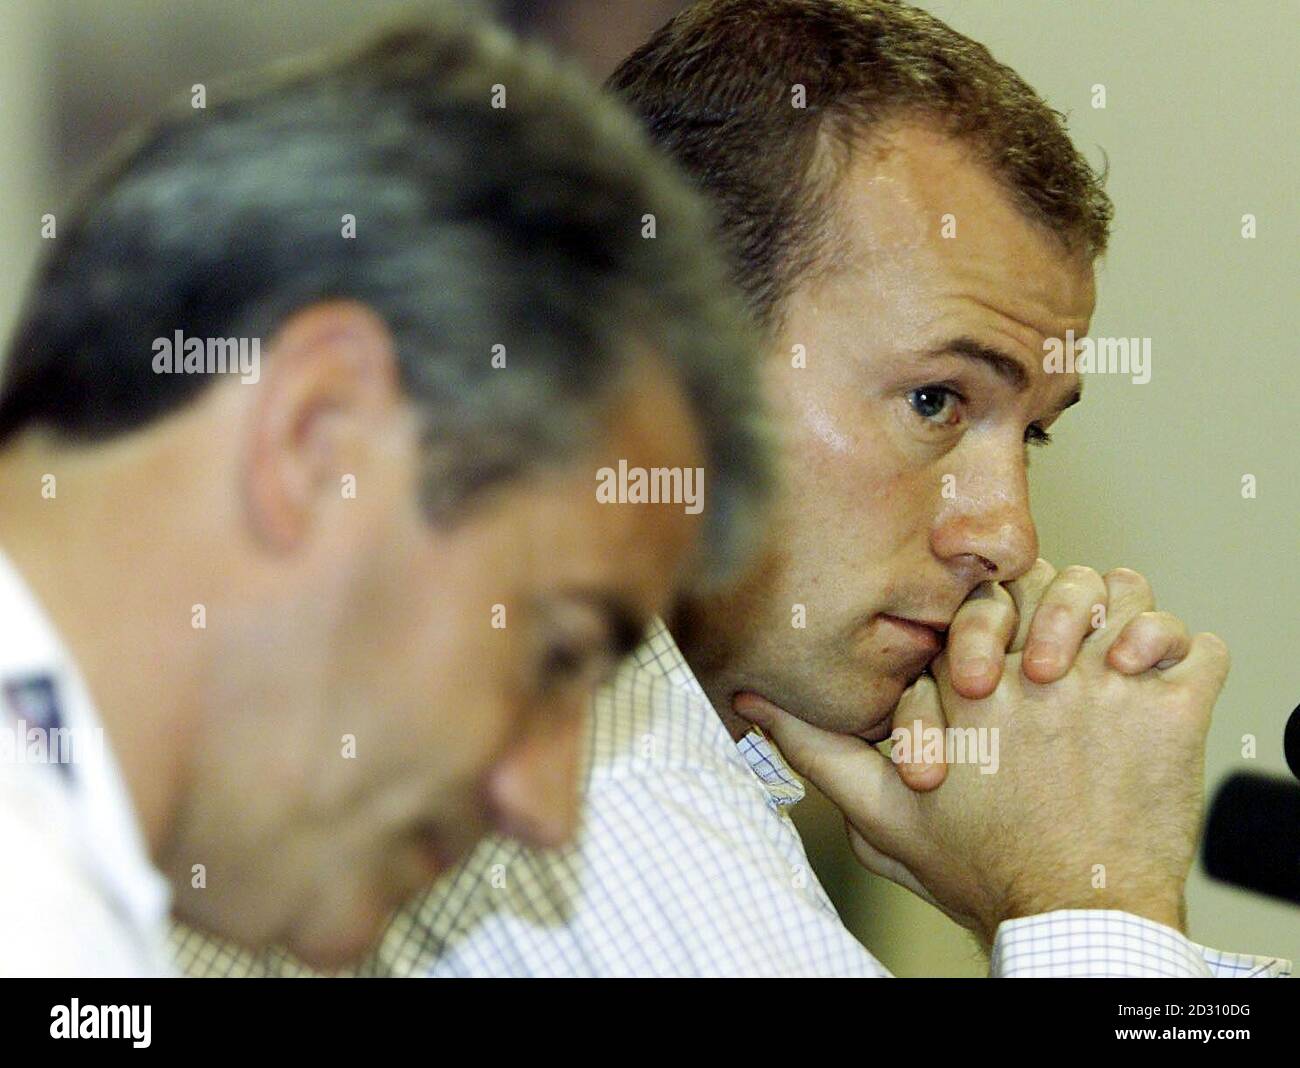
972	630
1080	581
1166	621
1001	595
1041	570
1215	647
1052	615
1077	573
981	619
1128	580
1135	632
1145	623
997	614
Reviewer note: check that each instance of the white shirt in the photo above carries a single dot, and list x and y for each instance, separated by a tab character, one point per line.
687	864
77	888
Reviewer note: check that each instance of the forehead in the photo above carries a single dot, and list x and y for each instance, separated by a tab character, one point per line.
914	201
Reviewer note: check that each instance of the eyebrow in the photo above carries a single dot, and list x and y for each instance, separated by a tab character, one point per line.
1006	367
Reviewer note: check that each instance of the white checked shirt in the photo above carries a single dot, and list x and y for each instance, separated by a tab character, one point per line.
688	864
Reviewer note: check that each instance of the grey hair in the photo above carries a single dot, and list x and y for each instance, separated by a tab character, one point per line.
476	226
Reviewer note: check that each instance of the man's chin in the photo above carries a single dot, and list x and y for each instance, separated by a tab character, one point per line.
857	696
870	715
334	949
330	941
874	722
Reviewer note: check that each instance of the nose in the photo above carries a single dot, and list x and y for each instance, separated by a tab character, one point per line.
533	789
986	527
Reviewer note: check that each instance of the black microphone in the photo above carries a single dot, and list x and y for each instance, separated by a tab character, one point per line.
1291	742
1252	834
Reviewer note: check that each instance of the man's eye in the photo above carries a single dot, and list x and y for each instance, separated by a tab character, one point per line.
1036	435
567	666
561	662
935	404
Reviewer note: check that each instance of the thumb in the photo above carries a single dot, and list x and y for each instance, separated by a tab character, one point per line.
861	782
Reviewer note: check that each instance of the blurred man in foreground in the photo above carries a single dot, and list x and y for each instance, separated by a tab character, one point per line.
303	545
842	141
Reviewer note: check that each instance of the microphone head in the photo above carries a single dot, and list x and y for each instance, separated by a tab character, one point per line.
1252	835
1291	742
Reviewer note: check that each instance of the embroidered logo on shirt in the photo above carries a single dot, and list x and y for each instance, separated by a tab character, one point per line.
41	736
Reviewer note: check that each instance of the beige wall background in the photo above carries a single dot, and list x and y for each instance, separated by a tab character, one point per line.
1200	127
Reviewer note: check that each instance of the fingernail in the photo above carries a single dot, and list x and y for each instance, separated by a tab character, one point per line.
973	666
1042	654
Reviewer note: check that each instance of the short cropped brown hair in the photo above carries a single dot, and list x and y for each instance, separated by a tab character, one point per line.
715	87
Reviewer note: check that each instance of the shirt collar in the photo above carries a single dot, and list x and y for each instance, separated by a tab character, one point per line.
110	837
660	655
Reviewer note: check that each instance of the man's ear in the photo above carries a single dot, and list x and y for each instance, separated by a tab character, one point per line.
329	389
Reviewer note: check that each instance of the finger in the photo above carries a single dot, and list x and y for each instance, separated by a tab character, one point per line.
1128	595
860	781
1149	640
1026	592
1063	618
957	711
885	866
977	640
918	711
896	871
1205	666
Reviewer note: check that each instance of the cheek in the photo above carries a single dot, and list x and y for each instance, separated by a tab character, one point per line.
862	489
473	683
853	524
826	433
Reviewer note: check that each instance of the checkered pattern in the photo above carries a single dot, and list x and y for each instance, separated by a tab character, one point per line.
687	864
1104	944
